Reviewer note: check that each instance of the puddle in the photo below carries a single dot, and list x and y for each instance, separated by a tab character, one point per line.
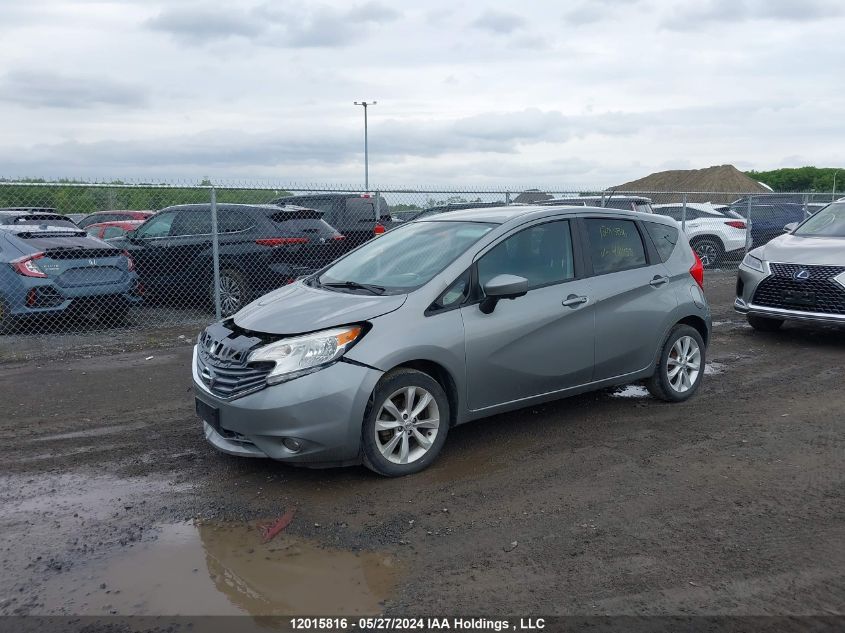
714	369
219	569
631	391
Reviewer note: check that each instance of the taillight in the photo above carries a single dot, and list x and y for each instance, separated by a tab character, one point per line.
281	241
27	267
379	229
697	270
338	238
130	263
737	224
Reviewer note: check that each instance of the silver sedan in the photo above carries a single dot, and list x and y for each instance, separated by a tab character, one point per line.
799	275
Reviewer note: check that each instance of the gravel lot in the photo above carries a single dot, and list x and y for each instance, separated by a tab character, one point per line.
732	503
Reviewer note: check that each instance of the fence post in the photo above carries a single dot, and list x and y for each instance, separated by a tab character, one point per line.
507	198
377	206
806	207
749	241
684	215
215	254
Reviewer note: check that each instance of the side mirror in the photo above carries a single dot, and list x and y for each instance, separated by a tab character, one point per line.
502	287
790	227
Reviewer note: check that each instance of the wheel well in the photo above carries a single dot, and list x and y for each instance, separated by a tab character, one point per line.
443	377
696	323
711	238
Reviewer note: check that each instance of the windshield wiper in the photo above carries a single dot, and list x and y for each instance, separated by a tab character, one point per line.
354	285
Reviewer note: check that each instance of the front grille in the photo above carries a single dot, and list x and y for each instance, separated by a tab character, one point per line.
221	362
829	295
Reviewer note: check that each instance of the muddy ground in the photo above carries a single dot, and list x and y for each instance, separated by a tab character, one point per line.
732	503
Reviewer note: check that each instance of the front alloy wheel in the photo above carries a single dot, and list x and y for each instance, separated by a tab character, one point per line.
406	425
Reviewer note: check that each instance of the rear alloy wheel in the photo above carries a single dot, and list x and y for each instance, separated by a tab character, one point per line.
763	324
710	252
680	367
233	292
406	426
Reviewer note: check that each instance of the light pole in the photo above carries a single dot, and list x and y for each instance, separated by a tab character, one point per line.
833	193
366	149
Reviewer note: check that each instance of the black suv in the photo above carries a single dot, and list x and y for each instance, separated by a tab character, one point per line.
262	247
354	215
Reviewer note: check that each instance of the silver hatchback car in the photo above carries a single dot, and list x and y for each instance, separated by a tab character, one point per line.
449	319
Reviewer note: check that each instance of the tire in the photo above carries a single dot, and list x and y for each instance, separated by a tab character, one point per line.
234	292
763	324
686	380
710	251
396	438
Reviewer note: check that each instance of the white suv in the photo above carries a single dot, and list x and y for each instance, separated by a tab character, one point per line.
715	232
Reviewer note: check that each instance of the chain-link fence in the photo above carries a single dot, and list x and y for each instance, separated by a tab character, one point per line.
83	257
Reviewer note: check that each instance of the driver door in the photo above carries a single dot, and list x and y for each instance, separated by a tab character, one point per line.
149	247
542	342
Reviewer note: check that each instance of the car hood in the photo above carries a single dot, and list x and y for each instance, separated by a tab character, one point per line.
297	308
822	251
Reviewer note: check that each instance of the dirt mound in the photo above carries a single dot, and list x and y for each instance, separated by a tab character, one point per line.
725	179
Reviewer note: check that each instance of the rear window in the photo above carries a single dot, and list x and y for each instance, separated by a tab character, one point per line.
615	245
665	238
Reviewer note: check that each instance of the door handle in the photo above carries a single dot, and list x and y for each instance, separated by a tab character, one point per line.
658	281
573	301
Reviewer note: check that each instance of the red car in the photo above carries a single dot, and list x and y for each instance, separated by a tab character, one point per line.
100	217
108	230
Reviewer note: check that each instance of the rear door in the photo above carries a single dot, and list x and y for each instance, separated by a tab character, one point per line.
632	294
541	342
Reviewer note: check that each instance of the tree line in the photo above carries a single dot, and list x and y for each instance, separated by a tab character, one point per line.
804	179
79	197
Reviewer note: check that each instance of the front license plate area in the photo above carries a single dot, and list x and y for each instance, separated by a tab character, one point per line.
799	297
208	414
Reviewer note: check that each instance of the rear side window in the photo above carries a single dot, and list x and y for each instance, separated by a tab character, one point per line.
231	221
615	245
298	214
665	238
112	231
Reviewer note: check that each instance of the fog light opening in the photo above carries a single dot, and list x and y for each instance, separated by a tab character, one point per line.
294	446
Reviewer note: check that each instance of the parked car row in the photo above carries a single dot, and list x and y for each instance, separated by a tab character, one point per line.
262	247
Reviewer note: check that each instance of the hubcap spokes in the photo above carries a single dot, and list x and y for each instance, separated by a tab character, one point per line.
406	425
230	296
707	254
684	364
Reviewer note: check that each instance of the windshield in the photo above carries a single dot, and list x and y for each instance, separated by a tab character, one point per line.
829	222
407	257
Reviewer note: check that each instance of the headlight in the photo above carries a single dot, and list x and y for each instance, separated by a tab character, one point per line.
754	263
304	354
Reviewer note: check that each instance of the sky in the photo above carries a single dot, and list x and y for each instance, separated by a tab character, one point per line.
583	93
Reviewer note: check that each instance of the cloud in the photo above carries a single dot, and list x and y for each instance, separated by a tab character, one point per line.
46	89
274	24
693	14
203	24
499	22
